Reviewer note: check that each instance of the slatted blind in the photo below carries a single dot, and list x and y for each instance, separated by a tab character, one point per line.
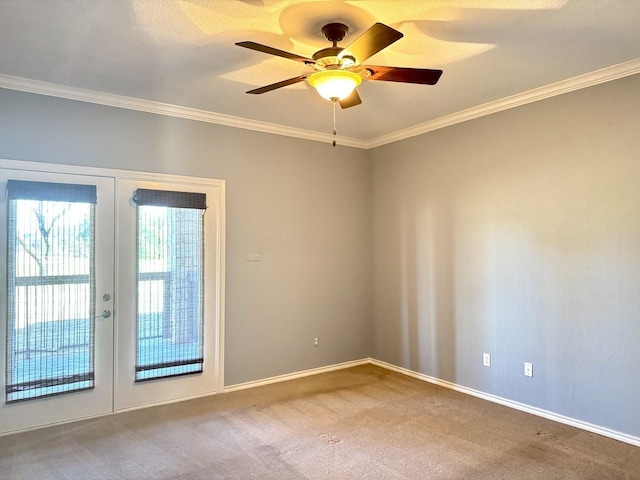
51	289
170	283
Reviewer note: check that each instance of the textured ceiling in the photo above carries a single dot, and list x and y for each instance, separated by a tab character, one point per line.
182	52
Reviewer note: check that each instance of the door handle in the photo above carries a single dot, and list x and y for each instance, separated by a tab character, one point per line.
104	314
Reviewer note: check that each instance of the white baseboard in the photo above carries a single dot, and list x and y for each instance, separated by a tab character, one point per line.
605	432
294	375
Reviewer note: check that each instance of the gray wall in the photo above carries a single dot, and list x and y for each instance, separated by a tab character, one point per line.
304	204
518	234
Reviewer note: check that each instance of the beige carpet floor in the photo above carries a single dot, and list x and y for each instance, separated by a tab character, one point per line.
360	423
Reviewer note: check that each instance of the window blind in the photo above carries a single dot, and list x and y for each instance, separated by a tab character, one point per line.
170	283
51	289
53	192
166	198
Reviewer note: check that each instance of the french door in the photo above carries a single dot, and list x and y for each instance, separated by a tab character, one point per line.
111	290
169	331
57	281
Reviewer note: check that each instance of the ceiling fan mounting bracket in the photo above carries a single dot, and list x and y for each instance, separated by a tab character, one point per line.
335	32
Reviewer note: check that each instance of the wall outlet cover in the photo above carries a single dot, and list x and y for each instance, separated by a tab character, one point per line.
528	369
486	359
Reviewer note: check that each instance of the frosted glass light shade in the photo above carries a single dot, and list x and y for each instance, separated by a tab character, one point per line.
334	84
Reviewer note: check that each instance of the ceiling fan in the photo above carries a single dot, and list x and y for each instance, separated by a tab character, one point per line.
338	71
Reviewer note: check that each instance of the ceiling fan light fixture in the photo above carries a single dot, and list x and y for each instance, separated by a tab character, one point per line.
334	84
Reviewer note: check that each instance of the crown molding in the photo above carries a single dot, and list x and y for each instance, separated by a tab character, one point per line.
159	108
607	74
596	77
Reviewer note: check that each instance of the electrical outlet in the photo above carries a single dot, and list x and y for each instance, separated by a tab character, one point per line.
528	369
486	359
316	342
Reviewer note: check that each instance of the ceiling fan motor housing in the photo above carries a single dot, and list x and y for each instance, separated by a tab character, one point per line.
327	52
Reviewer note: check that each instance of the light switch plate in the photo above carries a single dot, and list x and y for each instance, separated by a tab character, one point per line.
253	256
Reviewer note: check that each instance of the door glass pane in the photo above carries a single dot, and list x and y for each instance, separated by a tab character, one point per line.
50	307
170	316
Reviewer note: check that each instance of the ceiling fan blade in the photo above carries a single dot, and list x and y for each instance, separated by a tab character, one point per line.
274	86
377	37
422	76
274	51
351	101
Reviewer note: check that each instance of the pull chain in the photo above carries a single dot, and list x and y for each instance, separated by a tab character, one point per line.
334	101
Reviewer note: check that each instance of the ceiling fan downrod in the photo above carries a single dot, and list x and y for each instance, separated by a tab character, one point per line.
334	101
